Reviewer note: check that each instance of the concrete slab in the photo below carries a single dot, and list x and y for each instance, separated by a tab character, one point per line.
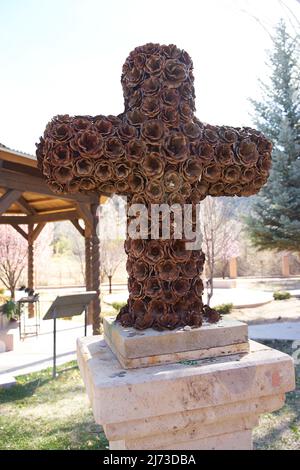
149	347
132	343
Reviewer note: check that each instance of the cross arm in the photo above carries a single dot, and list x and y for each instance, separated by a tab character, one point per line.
84	153
236	160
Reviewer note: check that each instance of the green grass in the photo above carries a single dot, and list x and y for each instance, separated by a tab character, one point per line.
42	413
280	430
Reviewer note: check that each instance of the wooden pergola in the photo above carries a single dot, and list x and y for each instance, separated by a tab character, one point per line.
25	199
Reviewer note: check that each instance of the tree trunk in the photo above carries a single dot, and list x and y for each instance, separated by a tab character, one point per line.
12	291
109	283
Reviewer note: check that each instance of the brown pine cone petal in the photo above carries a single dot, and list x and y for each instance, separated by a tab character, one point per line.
211	315
156	308
61	155
167	270
88	143
140	270
103	126
88	184
103	171
176	147
181	287
153	287
141	323
84	167
138	308
114	148
63	174
137	247
153	165
172	180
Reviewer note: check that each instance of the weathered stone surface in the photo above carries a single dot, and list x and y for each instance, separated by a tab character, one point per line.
209	404
202	417
148	361
148	348
177	438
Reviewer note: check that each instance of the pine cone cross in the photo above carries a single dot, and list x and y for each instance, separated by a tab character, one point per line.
156	151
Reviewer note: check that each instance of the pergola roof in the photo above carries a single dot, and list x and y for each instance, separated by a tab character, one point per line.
25	199
25	193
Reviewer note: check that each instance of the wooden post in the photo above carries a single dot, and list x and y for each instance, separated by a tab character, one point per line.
233	268
88	271
285	265
30	266
95	270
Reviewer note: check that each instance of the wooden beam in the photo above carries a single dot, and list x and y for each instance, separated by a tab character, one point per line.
24	169
8	199
25	206
78	226
95	265
85	213
33	184
37	218
20	231
10	155
88	274
37	230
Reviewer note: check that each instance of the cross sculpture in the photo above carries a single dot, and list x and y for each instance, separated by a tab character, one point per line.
156	151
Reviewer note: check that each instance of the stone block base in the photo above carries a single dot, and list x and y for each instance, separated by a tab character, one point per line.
207	404
8	338
146	348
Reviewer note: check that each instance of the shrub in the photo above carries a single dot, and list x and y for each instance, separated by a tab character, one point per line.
10	309
118	305
2	290
224	309
281	295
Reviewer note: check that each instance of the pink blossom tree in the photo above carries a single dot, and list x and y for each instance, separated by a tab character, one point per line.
13	254
13	257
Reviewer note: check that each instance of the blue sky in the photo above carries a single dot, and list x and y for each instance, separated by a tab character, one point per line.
65	56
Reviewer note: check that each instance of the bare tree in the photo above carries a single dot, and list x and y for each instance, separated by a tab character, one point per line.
220	233
112	254
78	251
264	21
13	257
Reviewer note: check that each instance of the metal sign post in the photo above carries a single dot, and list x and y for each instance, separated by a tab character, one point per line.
54	347
68	306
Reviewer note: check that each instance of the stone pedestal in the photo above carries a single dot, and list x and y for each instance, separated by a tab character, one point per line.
147	348
182	403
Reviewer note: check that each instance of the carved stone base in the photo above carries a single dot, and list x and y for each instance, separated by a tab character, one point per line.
146	348
207	404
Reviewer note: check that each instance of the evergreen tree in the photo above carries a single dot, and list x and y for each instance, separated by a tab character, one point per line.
274	222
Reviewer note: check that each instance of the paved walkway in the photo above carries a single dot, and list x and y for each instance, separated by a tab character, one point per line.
36	352
240	297
284	331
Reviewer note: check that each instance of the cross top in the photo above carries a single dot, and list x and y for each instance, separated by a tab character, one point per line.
156	151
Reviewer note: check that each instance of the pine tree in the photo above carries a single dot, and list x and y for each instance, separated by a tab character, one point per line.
274	222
